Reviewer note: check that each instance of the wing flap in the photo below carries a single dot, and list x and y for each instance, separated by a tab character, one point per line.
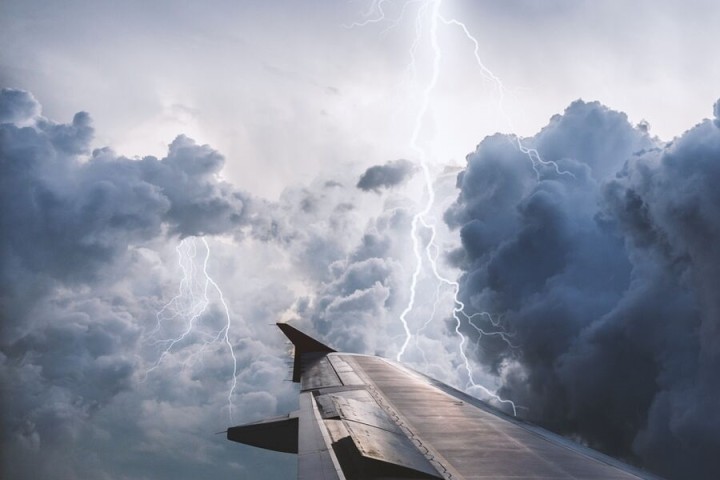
279	434
388	447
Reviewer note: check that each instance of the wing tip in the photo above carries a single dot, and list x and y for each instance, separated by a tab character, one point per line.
303	342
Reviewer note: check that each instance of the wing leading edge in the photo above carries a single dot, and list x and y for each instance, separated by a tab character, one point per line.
364	417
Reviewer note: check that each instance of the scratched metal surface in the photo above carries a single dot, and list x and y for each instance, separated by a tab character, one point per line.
318	373
368	413
344	371
389	447
474	442
315	461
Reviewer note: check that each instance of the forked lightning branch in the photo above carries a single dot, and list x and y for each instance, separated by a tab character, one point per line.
189	326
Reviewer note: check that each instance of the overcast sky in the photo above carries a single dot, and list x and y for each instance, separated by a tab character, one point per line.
285	88
290	136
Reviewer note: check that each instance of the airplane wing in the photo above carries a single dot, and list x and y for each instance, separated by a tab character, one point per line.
365	417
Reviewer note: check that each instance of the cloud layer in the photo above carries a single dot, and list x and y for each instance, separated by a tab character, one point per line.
84	271
605	264
88	338
606	276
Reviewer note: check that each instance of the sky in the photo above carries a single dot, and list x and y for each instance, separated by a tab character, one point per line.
178	177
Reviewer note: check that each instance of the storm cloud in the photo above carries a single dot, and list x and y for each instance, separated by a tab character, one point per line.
393	173
82	277
356	306
89	267
65	208
606	264
605	271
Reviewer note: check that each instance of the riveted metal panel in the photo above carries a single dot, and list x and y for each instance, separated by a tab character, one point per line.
344	371
368	413
317	372
326	405
316	460
388	447
476	441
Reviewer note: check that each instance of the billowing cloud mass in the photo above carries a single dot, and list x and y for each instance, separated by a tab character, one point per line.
83	275
66	211
353	308
602	270
605	272
88	271
393	173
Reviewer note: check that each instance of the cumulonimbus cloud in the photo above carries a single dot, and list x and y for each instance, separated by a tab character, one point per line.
75	295
65	208
606	274
83	234
606	265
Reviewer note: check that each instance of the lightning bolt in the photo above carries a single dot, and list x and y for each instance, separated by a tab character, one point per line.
419	121
534	156
376	14
189	307
429	19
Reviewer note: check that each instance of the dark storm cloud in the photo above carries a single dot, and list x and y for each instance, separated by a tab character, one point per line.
593	135
82	280
74	286
64	213
389	175
607	280
17	106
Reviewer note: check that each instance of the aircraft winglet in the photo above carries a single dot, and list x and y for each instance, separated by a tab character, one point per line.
303	344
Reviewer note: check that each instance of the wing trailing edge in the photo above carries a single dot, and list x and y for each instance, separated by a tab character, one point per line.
279	434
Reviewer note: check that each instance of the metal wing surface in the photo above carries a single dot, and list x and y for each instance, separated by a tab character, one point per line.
365	417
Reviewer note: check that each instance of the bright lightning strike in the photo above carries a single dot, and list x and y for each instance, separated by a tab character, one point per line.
458	312
189	307
419	120
532	154
428	21
376	14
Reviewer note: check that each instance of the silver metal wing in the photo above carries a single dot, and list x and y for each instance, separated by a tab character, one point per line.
365	417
